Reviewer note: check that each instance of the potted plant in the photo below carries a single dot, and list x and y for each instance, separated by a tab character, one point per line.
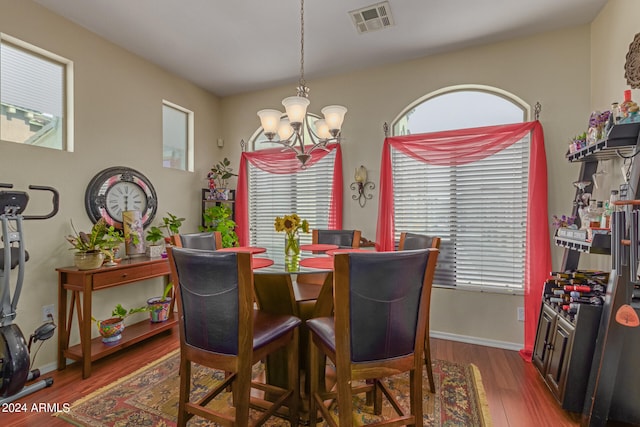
172	223
92	248
158	307
218	218
155	237
111	329
219	178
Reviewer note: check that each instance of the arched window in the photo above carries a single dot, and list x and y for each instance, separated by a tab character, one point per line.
478	209
307	192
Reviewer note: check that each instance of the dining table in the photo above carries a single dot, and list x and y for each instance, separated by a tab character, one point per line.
305	292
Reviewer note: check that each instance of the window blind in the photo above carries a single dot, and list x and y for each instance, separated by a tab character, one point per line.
307	193
478	209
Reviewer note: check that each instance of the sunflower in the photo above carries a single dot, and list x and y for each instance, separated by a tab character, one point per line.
291	224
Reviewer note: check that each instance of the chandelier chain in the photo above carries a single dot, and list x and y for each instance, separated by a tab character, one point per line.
302	82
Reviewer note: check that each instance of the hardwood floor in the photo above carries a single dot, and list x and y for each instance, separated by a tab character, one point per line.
516	394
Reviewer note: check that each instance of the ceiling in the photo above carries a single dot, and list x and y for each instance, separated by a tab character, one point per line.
234	46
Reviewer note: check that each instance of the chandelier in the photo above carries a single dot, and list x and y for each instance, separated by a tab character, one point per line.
290	129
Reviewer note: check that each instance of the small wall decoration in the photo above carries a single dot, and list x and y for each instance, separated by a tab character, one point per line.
632	65
132	222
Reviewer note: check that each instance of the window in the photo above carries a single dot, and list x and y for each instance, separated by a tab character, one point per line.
478	209
177	137
306	192
36	102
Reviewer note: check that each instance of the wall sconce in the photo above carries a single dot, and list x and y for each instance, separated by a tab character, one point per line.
361	185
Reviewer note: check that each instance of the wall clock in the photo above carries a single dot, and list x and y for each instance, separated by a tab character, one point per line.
118	189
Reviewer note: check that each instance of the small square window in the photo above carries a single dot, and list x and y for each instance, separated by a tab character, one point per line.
35	106
177	137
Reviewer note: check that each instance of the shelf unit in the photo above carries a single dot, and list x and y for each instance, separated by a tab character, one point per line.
579	358
231	203
622	141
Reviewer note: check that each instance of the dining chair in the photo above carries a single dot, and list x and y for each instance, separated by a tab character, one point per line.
409	241
208	240
220	329
342	238
377	330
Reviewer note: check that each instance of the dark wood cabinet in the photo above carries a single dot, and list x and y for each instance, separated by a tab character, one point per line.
563	352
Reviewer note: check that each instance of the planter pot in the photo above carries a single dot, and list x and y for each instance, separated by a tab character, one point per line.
159	309
88	260
154	251
221	194
111	329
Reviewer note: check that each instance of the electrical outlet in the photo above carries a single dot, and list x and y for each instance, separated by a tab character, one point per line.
521	314
48	310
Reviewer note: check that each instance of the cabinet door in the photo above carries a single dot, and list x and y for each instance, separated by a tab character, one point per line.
559	353
546	323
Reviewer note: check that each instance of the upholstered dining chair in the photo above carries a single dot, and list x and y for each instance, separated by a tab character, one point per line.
220	329
377	330
208	240
342	238
409	241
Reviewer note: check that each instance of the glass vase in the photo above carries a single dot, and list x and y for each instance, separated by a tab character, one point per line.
292	252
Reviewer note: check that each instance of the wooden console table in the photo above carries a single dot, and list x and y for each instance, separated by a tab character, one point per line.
88	281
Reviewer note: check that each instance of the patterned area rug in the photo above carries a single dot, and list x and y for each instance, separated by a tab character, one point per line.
149	397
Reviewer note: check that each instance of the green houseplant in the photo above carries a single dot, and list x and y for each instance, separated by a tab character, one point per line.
219	177
218	218
172	223
92	248
155	237
111	329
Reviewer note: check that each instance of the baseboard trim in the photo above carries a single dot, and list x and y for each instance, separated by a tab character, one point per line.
506	345
434	334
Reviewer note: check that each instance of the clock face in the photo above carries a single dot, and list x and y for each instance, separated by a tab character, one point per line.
119	189
125	196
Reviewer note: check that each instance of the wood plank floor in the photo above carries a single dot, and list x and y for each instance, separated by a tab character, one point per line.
516	394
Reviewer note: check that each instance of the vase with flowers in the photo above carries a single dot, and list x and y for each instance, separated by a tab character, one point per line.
291	225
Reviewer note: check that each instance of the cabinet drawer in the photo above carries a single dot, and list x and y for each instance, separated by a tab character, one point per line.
161	269
118	277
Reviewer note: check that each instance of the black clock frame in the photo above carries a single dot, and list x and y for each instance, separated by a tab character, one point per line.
95	195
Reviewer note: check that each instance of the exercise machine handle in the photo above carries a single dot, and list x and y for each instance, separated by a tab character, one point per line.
55	202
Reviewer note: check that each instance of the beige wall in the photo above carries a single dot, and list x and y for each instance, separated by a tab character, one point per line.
118	122
551	68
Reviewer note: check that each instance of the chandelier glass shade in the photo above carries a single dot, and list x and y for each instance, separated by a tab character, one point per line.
288	129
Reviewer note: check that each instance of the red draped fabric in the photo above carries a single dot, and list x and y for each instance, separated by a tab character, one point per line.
457	147
276	161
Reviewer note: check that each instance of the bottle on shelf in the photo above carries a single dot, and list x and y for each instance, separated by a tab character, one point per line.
624	107
616	115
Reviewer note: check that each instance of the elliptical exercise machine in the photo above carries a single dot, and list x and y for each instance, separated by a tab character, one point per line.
14	351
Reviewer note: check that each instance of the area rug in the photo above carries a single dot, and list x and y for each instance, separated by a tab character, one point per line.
149	397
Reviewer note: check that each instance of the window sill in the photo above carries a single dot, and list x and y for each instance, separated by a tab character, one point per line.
488	290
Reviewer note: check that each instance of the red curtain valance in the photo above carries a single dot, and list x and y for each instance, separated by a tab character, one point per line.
276	161
463	146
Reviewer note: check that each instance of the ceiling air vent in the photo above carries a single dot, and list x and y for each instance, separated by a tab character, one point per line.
371	18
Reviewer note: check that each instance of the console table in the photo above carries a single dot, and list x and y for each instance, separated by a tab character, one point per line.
82	284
